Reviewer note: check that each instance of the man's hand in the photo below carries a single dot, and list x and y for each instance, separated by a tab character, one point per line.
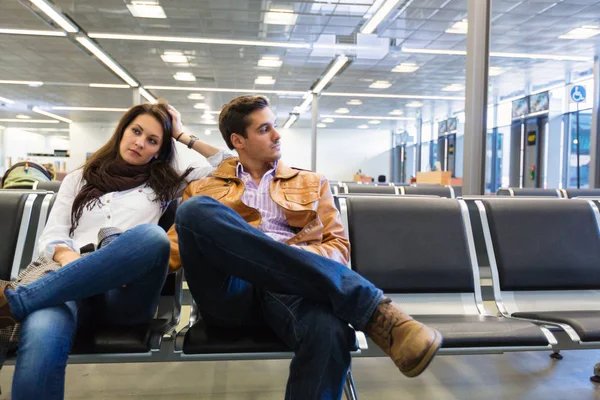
64	255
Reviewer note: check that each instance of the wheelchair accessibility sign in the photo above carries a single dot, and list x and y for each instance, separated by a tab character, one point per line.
578	93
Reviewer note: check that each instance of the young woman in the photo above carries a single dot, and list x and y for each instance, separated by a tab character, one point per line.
126	184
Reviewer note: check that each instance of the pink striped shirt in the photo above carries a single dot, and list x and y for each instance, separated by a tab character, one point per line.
258	196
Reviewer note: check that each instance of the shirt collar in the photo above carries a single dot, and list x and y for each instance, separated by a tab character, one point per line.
242	173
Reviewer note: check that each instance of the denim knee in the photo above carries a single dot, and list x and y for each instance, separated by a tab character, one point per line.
153	236
197	207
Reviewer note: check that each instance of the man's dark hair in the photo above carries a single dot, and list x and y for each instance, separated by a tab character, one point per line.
234	116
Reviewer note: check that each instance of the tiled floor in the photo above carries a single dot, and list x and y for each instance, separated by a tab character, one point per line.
479	377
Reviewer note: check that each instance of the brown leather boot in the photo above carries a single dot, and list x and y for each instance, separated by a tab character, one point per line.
410	344
6	316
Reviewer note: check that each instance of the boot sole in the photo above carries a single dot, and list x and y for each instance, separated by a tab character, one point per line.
435	346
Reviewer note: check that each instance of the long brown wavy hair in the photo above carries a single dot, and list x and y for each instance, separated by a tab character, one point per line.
163	178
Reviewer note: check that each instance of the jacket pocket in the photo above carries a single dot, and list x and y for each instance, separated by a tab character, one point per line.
216	193
302	198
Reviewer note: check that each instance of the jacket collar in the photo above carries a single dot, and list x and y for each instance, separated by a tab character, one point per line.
228	170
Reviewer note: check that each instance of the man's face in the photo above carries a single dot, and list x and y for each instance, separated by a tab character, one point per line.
263	141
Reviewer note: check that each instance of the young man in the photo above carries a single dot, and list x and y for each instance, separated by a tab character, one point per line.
260	240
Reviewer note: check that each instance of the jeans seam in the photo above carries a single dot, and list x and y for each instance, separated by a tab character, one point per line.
298	339
376	300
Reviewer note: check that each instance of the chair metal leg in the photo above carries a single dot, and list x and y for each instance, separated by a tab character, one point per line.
349	388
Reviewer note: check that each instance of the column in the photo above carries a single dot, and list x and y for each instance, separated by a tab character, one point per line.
478	39
137	97
313	137
594	142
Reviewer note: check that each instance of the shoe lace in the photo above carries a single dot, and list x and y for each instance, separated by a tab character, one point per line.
385	320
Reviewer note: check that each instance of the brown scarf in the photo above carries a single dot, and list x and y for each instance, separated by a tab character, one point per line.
115	177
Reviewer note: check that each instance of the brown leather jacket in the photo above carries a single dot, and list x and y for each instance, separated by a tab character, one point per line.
304	196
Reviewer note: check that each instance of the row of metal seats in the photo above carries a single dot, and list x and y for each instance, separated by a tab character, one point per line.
392	240
397	189
539	192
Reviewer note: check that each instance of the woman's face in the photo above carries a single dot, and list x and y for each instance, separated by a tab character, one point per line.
141	140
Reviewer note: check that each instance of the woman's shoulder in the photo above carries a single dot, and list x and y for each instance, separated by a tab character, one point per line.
74	178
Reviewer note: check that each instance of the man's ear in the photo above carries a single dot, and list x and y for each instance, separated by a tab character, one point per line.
238	141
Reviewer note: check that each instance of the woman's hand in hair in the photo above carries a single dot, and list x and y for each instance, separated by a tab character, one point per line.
177	124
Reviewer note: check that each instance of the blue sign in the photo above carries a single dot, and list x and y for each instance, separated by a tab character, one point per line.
578	94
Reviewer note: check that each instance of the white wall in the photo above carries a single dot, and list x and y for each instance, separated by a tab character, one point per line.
340	152
86	138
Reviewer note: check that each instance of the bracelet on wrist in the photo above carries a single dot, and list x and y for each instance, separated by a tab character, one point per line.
192	140
181	134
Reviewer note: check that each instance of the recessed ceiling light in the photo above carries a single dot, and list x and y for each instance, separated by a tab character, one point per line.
380	85
415	104
195	96
174	57
23	116
146	9
363	126
585	32
396	112
201	106
454	87
374	122
184	76
270	62
342	111
277	16
459	28
405	68
495	71
329	120
321	125
354	102
264	80
207	132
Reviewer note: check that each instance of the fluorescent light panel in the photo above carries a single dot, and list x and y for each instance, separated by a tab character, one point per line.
102	56
55	16
145	94
363	126
304	106
51	115
225	90
184	76
292	118
321	125
454	87
393	96
354	102
495	71
380	85
5	100
23	116
414	104
459	28
264	80
146	9
369	117
174	57
195	96
342	111
176	39
109	86
270	62
405	68
396	112
28	83
201	106
31	32
30	121
499	54
280	17
107	109
339	62
379	16
585	32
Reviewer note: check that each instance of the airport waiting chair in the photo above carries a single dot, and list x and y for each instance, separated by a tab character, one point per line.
429	190
24	214
529	192
544	261
370	189
51	186
420	252
572	193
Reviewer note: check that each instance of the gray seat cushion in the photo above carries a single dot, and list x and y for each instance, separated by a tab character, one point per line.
585	323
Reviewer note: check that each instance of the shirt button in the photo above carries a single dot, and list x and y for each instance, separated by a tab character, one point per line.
140	190
108	217
107	201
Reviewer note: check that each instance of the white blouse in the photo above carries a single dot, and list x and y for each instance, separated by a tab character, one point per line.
123	210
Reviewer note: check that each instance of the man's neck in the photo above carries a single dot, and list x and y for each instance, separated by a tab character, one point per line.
256	169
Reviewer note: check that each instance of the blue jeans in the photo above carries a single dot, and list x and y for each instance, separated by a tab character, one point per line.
238	276
48	308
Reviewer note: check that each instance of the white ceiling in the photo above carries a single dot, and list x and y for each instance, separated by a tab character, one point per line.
530	26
